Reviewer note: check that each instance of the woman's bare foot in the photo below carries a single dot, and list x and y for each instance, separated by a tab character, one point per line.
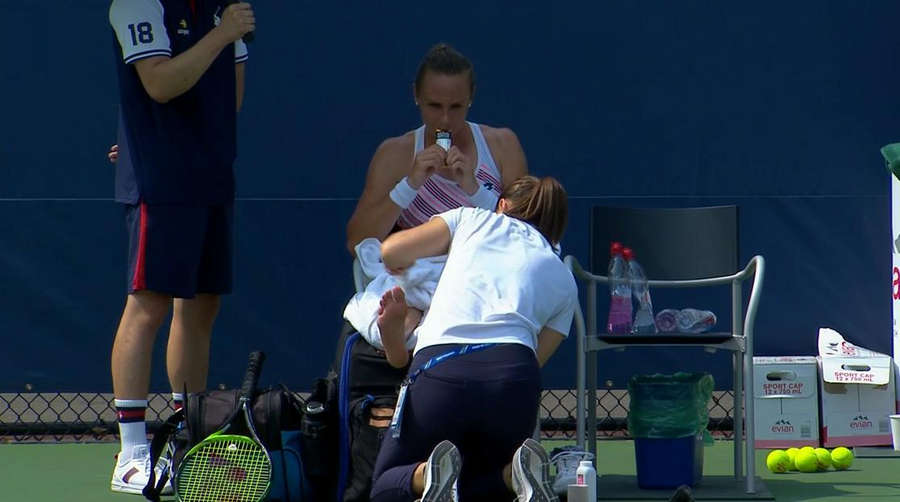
391	323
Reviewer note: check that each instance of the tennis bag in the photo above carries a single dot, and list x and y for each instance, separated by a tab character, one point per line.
277	414
346	418
367	394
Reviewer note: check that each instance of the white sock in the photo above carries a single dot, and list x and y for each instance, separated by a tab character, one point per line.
177	400
132	427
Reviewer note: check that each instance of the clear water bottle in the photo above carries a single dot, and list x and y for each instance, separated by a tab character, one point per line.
694	320
619	322
643	318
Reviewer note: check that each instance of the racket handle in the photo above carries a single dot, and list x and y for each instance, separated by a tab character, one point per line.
254	366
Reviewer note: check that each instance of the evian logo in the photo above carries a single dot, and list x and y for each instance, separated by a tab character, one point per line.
783	426
860	422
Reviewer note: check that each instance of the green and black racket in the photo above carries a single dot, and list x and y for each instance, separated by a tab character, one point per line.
228	467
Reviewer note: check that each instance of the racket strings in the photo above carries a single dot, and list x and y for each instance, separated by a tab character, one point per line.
225	470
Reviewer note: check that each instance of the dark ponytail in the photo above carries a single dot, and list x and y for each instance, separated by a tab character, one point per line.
445	60
541	202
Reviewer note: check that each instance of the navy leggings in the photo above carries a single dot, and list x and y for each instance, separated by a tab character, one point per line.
484	402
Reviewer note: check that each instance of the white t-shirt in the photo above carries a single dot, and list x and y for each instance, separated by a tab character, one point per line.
502	284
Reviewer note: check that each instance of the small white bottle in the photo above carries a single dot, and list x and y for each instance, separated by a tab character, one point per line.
586	475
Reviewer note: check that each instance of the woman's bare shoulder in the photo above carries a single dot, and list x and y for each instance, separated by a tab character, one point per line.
397	145
499	135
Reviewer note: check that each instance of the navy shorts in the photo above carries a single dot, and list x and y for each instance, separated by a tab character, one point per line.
180	250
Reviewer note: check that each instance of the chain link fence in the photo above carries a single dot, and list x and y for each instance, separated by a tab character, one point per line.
56	417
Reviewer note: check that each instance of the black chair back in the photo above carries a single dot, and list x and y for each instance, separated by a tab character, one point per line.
670	243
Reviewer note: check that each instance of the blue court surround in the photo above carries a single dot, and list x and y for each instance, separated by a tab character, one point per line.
777	107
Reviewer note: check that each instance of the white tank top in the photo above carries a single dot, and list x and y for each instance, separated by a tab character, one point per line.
439	194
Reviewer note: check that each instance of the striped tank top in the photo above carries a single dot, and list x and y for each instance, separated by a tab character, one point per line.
439	194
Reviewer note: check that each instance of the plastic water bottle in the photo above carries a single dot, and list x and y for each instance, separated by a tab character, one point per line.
619	322
666	320
586	475
643	317
695	321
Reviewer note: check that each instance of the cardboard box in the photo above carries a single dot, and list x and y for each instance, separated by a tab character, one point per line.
890	153
856	393
785	401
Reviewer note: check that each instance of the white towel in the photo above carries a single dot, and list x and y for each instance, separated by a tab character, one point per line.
418	283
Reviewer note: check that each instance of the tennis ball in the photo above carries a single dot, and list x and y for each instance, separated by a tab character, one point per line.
778	461
823	458
809	449
806	461
841	458
792	454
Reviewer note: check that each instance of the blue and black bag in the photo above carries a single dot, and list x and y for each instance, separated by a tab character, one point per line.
354	404
367	394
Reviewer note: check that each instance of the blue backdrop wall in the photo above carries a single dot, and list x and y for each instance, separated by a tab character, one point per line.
779	107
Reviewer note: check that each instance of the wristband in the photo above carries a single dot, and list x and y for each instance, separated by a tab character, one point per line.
484	198
403	194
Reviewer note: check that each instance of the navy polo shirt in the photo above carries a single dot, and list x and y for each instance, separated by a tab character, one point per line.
183	151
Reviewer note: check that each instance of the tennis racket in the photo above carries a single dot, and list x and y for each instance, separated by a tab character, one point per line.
228	467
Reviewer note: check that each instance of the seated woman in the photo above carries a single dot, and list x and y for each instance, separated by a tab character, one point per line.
501	308
411	177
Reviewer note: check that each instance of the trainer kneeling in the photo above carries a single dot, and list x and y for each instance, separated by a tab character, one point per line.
503	305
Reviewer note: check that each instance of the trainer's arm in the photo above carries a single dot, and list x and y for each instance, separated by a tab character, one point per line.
402	249
167	78
239	73
376	213
548	342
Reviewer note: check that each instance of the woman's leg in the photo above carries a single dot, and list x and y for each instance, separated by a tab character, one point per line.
428	418
496	413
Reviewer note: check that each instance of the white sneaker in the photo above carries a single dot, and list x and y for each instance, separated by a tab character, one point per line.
441	473
132	473
531	473
566	460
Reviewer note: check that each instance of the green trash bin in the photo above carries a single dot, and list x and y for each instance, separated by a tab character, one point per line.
667	418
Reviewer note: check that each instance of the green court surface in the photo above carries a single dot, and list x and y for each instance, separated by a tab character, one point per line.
81	472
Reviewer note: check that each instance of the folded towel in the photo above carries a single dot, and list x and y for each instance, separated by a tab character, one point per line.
418	283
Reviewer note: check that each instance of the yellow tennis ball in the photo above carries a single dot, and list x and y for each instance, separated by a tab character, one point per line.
809	449
778	461
841	458
792	454
806	461
823	458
